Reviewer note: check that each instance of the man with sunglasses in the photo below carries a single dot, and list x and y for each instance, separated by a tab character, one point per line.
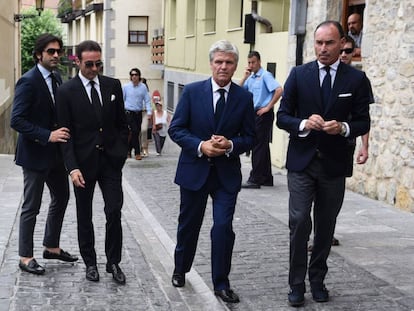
135	97
91	106
34	118
347	52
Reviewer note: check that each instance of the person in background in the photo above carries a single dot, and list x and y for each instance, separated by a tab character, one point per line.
136	100
266	92
320	116
213	124
347	53
91	106
33	116
355	31
146	126
160	121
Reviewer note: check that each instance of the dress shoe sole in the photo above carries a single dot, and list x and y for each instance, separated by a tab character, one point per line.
297	304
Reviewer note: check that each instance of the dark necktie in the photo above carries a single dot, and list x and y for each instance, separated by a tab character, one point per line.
326	86
55	85
96	102
220	106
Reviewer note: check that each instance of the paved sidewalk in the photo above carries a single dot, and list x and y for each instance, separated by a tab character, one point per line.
371	270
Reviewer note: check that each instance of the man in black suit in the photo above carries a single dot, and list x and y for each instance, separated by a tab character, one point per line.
325	102
91	106
213	124
34	117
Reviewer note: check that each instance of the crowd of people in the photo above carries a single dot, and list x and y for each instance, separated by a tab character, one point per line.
324	106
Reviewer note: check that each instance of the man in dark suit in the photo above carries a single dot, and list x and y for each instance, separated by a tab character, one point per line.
34	117
91	106
321	108
213	124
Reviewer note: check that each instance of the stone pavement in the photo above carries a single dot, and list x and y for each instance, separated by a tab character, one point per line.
371	270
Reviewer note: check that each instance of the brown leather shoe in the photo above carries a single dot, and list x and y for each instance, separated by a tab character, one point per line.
138	157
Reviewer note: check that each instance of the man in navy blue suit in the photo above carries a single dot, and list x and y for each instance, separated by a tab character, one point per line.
325	102
213	124
34	117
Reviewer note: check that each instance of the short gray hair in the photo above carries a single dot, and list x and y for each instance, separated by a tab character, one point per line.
224	46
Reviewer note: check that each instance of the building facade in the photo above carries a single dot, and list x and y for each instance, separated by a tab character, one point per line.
9	70
124	29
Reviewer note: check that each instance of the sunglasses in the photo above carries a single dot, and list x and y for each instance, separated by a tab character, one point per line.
134	74
90	64
347	51
52	52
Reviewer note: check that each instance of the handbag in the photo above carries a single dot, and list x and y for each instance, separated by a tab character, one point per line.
158	126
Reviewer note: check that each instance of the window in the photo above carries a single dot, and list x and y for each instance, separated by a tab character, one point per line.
191	15
235	14
210	18
138	30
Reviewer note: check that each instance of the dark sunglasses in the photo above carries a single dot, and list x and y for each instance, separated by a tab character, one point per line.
347	51
134	74
90	64
52	52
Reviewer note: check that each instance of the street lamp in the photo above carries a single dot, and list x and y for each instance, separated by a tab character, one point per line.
40	4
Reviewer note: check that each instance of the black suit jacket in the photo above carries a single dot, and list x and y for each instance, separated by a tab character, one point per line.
75	111
34	117
349	102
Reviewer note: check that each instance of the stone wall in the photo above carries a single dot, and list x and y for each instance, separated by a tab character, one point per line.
388	60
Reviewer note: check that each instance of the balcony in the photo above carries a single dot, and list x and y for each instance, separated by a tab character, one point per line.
157	50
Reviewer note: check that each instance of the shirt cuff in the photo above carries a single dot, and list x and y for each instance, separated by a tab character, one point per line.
302	131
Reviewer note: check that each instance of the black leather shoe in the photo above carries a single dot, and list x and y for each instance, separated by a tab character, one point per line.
296	297
320	293
250	185
335	241
32	267
178	279
117	273
227	295
64	256
92	273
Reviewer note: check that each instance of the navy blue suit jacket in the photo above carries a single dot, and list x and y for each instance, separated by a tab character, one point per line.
193	122
76	112
349	102
34	117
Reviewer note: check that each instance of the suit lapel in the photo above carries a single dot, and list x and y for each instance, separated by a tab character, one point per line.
207	102
340	80
44	87
312	76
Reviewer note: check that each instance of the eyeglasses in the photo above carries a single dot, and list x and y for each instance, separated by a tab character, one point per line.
90	64
52	52
134	74
347	51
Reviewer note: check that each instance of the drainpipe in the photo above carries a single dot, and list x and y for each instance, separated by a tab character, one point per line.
261	19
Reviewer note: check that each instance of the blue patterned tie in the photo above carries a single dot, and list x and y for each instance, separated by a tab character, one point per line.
326	86
220	106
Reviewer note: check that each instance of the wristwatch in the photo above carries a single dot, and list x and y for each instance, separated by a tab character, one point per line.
343	129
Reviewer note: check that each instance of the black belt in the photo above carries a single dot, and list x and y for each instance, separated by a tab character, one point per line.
133	112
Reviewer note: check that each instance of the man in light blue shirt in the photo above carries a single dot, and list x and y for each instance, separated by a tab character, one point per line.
135	97
266	92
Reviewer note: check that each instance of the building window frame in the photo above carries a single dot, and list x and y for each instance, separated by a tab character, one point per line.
138	36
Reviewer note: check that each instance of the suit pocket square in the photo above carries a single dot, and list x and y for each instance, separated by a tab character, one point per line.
112	97
345	95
